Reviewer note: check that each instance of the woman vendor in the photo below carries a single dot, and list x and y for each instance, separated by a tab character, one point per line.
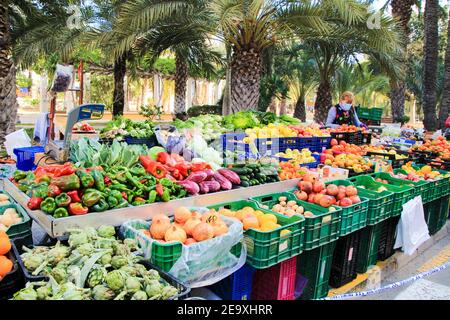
344	113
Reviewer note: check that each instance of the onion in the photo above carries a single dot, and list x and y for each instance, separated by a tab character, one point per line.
160	217
182	214
190	225
220	228
203	231
189	241
159	227
175	234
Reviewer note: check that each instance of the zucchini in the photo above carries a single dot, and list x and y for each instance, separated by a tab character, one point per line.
244	178
255	182
245	183
240	171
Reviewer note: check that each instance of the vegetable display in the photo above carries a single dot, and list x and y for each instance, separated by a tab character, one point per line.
8	218
289	208
120	127
253	174
93	265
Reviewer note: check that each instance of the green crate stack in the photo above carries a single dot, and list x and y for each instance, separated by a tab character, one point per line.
443	215
265	249
354	217
319	230
368	247
439	187
376	113
432	213
315	265
421	188
363	113
18	230
402	194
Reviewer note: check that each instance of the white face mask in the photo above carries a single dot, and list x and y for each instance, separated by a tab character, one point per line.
346	106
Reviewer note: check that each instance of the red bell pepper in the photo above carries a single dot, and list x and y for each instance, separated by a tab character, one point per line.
77	209
65	170
177	175
183	168
74	196
153	167
53	190
200	166
164	158
34	203
159	189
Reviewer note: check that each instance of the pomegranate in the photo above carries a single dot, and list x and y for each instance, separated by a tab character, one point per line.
306	186
355	199
310	178
326	201
346	202
302	195
332	190
318	197
351	191
318	186
340	195
311	197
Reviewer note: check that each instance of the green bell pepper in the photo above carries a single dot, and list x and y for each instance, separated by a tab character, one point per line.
67	183
152	196
60	213
63	200
38	190
48	205
100	206
90	198
166	196
86	179
45	179
138	170
99	179
19	175
112	202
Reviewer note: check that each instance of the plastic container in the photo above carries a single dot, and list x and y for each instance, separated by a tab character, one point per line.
307	165
320	230
265	249
315	265
25	157
349	137
19	229
237	286
396	163
345	256
353	217
17	248
12	281
276	282
368	247
322	143
432	211
149	141
444	211
388	234
402	194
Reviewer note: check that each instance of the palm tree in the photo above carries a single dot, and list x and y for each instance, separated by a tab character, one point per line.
445	102
401	11
430	59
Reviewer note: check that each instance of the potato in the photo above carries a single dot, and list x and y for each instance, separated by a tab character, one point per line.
281	199
289	212
283	203
291	203
295	207
3	197
300	210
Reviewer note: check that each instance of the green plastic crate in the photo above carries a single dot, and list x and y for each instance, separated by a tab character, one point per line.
322	229
19	229
439	187
421	187
265	249
164	255
375	113
363	113
368	247
443	211
432	213
353	217
315	265
402	194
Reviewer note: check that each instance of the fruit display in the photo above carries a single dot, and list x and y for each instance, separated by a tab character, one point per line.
6	265
314	191
344	147
93	265
269	131
354	162
310	131
297	156
254	219
120	127
347	128
289	208
413	174
439	146
188	226
8	218
383	150
252	174
288	170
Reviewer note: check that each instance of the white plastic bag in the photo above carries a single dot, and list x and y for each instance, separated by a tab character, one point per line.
16	139
412	230
62	79
200	264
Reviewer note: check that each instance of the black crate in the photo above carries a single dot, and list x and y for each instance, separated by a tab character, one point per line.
343	267
387	238
17	245
13	281
349	137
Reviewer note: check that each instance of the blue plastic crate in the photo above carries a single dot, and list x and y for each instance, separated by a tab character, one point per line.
149	141
323	142
310	165
25	157
237	286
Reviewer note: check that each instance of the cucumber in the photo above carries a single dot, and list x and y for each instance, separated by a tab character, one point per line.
240	171
255	182
244	178
245	183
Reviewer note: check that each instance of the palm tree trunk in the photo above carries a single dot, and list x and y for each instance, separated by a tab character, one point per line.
120	68
283	110
245	80
445	102
401	10
300	108
430	61
323	101
181	75
8	98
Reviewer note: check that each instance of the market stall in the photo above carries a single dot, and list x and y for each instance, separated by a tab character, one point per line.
249	206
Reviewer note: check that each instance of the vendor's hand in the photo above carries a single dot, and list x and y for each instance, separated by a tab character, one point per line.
363	125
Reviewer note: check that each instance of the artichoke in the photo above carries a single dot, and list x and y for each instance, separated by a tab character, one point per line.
91	233
105	259
141	269
120	249
44	292
105	243
86	249
106	231
132	284
139	295
102	292
57	254
131	244
152	275
59	274
71	292
119	261
96	276
115	280
77	239
153	289
32	261
26	294
130	270
168	292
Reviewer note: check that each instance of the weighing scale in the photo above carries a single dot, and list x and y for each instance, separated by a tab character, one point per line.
59	149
